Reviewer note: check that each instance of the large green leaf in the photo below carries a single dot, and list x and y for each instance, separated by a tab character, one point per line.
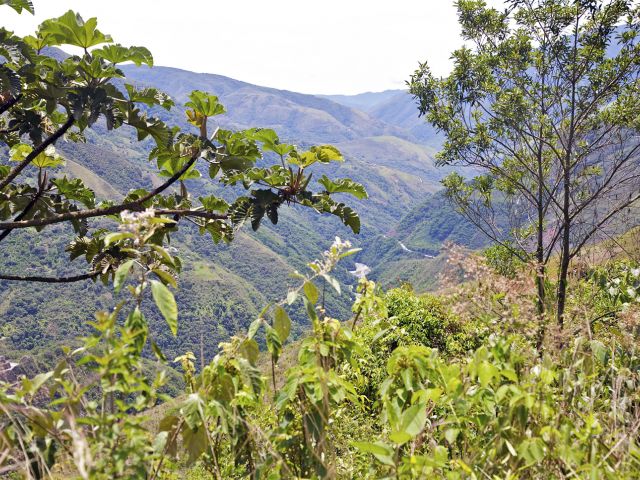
31	386
74	189
214	204
119	54
9	81
281	323
383	452
348	216
48	158
267	136
205	104
166	303
343	185
322	154
270	141
414	418
239	152
121	275
145	126
412	422
249	349
311	292
274	342
19	5
71	29
149	96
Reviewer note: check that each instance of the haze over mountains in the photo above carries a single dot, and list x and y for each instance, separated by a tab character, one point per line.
394	107
386	147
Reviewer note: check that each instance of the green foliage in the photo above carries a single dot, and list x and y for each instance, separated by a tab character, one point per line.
374	386
404	388
109	440
71	29
502	259
221	422
498	416
618	285
343	186
19	5
50	99
166	303
426	321
535	93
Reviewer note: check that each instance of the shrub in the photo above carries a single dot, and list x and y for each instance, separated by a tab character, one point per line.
503	260
500	414
425	320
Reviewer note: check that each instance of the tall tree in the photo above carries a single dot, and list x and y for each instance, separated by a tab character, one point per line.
543	100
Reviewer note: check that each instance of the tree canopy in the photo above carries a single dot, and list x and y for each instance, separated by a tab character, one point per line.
543	101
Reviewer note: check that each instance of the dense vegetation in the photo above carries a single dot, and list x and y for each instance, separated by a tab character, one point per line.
255	263
543	101
474	380
250	267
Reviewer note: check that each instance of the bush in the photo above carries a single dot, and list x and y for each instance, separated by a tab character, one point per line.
504	414
503	260
424	320
404	318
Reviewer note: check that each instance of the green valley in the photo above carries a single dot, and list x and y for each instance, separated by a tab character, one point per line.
204	278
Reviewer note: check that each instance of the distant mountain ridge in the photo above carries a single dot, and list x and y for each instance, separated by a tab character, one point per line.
363	101
393	107
222	287
295	116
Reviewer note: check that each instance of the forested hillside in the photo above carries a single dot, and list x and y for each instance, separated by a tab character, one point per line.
202	278
225	286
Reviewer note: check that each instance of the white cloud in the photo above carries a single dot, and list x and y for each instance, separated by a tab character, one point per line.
330	46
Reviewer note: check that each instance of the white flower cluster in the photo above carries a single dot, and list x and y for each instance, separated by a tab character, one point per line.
134	221
361	270
341	244
330	257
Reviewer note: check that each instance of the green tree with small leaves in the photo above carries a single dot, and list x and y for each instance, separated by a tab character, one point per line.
542	102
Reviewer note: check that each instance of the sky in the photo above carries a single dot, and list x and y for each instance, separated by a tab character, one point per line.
309	46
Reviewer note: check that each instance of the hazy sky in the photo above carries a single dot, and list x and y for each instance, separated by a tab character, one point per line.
310	46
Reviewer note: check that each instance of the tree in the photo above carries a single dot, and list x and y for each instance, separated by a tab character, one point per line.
543	101
44	100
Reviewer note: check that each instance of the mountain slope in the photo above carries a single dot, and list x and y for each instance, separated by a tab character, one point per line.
362	101
295	116
402	110
222	286
393	107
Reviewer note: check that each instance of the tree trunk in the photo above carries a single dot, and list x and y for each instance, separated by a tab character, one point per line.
540	266
562	286
540	280
565	254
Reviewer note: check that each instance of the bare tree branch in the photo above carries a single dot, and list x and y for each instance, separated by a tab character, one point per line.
101	212
42	279
10	103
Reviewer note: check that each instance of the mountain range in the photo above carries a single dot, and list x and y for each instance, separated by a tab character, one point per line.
386	146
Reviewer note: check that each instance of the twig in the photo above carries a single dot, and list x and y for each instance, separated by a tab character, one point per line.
6	106
26	210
